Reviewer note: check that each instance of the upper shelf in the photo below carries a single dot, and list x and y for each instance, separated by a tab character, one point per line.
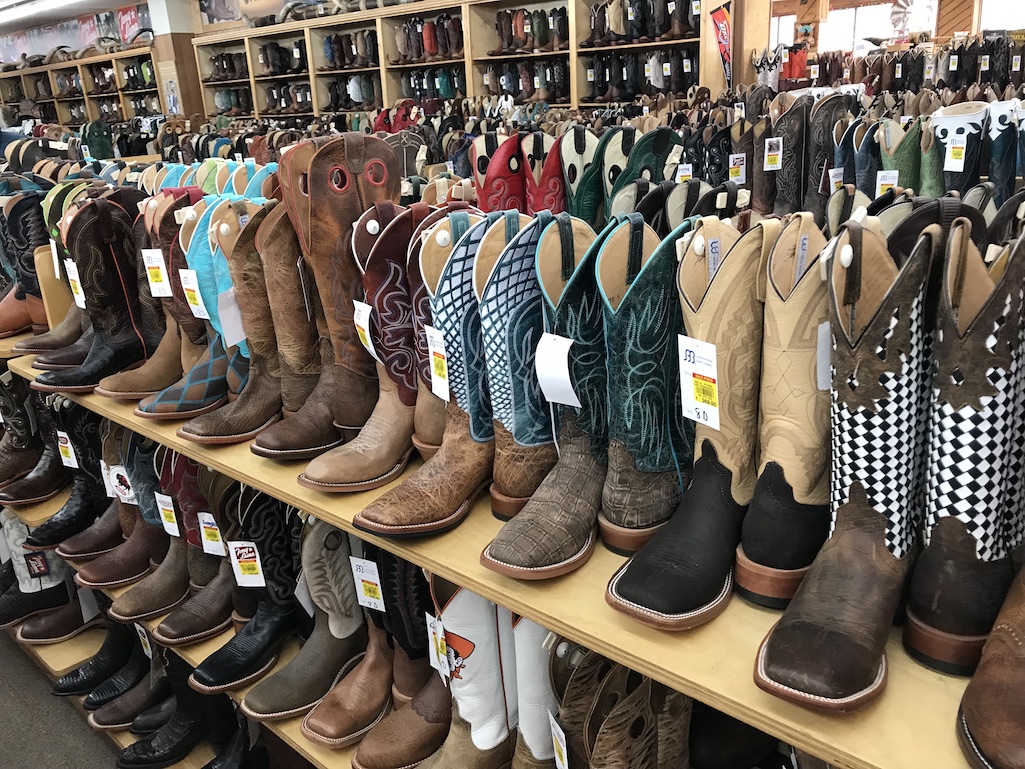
911	725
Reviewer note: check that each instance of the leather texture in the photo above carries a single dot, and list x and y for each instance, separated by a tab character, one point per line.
534	693
206	613
112	655
161	591
789	115
121	711
127	676
58	625
101	537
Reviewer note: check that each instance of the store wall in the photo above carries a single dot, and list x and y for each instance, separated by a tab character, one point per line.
75	33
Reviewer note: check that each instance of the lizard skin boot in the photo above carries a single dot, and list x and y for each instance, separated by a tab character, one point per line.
974	468
440	494
828	650
788	518
555	532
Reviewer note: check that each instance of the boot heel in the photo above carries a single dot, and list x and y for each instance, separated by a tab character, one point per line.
950	653
765	586
426	450
622	540
505	508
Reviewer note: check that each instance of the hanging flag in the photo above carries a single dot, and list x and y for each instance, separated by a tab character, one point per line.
724	37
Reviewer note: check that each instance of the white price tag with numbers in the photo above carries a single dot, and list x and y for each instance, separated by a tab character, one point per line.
190	285
66	450
245	562
699	382
368	583
156	272
165	505
210	535
439	362
76	283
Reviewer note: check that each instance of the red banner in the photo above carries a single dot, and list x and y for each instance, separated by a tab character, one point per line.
724	39
127	22
86	29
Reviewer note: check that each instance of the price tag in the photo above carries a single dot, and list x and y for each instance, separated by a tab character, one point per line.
85	150
647	70
699	384
302	594
954	159
738	168
590	75
210	535
739	110
527	26
76	285
906	120
624	73
686	65
439	362
984	65
231	318
835	179
695	7
165	505
368	583
87	600
56	259
846	73
666	68
487	78
66	450
105	474
824	349
239	158
551	362
813	71
898	70
773	154
885	180
361	318
144	640
537	81
437	82
559	741
190	284
952	62
672	7
295	54
1016	64
156	272
438	647
629	13
245	562
122	485
684	172
930	69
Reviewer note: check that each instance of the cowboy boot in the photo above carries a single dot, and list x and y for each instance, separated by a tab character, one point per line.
900	151
931	182
962	575
788	518
546	189
21	309
40	583
790	122
20	447
827	651
617	23
1002	148
965	123
339	637
49	475
823	116
503	26
567	533
598	20
439	494
622	728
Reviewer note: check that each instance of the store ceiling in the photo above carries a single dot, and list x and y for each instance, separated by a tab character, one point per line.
16	15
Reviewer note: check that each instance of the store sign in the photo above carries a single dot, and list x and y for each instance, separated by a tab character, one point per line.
127	21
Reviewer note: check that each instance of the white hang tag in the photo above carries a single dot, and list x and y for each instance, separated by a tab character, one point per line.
590	75
167	515
773	154
885	180
667	68
239	158
738	168
368	583
739	110
231	318
76	283
295	54
1016	63
645	110
813	71
528	27
156	272
85	150
144	640
559	741
439	363
487	79
835	179
537	81
984	65
898	70
647	70
105	474
245	562
954	159
824	350
361	318
930	69
121	484
87	600
786	55
66	450
56	259
695	7
671	6
906	120
302	594
551	362
699	383
684	172
437	646
952	63
210	535
190	284
846	73
686	65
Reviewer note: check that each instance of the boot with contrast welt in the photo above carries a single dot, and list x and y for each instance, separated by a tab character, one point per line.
556	530
828	650
126	677
60	624
49	476
122	710
440	494
21	445
21	309
111	656
40	583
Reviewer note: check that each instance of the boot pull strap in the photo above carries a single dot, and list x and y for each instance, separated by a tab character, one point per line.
770	229
629	136
385	212
490	143
961	268
693	194
852	286
661	141
848	202
731	190
635	248
579	132
459	223
950	209
105	228
539	147
512	223
643	187
419	212
565	223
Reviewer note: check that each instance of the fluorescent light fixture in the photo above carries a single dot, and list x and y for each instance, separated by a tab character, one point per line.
14	12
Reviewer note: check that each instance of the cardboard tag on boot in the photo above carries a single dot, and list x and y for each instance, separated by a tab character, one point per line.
953	161
368	583
144	640
738	168
699	385
66	450
823	354
231	318
56	259
773	154
245	562
76	283
210	535
886	180
122	485
684	173
167	515
559	741
361	318
835	179
551	362
190	284
156	272
105	474
302	594
87	600
439	362
437	647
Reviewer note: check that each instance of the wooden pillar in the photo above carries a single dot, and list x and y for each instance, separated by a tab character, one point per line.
957	16
750	33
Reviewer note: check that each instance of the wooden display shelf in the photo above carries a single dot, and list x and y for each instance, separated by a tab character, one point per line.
911	725
635	46
223	83
40	512
429	64
7	345
352	71
518	56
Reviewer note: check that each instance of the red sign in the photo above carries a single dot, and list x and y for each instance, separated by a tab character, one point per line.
127	21
87	30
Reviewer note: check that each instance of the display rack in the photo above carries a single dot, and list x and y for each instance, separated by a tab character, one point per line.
911	725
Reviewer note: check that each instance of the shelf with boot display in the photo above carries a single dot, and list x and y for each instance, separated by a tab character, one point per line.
712	663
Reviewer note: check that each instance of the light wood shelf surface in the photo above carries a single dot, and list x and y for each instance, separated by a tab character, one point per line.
34	515
911	725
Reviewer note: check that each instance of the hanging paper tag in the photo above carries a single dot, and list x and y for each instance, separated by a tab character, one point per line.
671	6
738	168
165	505
824	350
361	317
487	79
629	13
906	120
527	27
368	583
36	565
439	362
952	63
590	74
684	172
686	65
245	562
144	640
302	594
87	600
76	285
537	81
647	70
190	284
699	381
551	362
1016	63
773	154
835	179
813	71
930	69
885	180
954	160
984	65
645	110
156	273
739	111
231	318
898	70
67	451
559	740
438	646
56	259
666	68
210	535
695	7
786	55
105	474
122	485
846	73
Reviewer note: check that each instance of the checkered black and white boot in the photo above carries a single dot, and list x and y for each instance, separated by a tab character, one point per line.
827	652
975	463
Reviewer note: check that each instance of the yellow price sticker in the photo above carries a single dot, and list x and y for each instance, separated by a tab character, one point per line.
440	367
364	338
248	568
734	172
167	514
75	288
211	535
65	452
706	391
371	590
191	297
957	152
155	275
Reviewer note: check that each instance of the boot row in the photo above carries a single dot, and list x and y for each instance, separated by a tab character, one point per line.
418	41
228	66
440	83
618	22
615	77
276	59
290	98
354	93
234	102
533	80
526	31
351	50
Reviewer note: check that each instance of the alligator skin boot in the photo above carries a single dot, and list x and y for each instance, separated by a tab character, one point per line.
718	284
965	121
505	284
974	467
790	121
828	650
338	641
111	656
643	485
577	153
556	531
788	518
440	494
382	449
21	446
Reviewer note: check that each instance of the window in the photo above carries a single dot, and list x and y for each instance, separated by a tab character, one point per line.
845	29
999	14
781	30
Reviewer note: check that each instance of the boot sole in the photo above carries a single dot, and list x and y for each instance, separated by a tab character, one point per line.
39	548
969	747
571	564
287	455
503	507
105	727
44	366
92	554
112	583
35	329
148	614
373	483
222	440
96	621
190	639
814	701
171	416
660	621
411	530
83	389
32	500
124	396
624	541
950	653
203	689
349	739
764	585
302	709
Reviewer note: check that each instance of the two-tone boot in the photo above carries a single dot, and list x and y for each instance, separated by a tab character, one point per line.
960	130
21	309
40	583
49	476
822	117
21	446
1002	134
576	152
